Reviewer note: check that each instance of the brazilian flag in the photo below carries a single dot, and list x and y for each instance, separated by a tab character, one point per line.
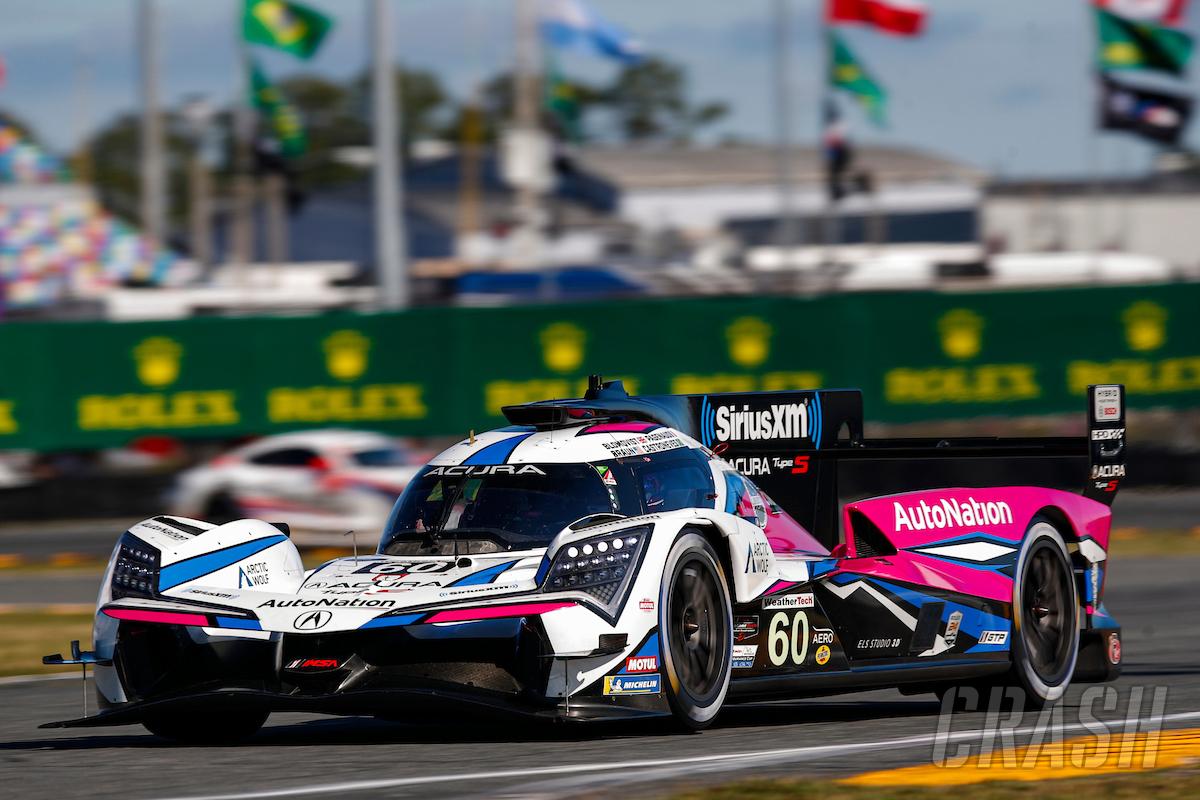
1132	44
847	73
562	102
287	26
283	117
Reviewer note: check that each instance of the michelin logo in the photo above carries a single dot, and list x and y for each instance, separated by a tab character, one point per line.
624	684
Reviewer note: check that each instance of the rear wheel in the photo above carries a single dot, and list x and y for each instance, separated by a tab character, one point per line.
224	727
1045	642
695	624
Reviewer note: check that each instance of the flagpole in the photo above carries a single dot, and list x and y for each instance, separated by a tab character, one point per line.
786	231
824	166
240	248
391	263
153	199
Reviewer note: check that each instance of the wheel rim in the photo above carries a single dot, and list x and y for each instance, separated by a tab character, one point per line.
694	624
1047	628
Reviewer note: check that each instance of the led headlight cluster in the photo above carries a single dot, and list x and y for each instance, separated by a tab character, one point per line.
598	566
135	571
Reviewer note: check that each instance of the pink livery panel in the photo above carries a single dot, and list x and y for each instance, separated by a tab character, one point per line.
968	540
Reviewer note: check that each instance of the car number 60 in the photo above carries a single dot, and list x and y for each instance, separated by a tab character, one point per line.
780	646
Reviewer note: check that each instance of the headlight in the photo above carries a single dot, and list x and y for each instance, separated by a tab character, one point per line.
135	572
601	566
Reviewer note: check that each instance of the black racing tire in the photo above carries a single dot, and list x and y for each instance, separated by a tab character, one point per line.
696	631
207	728
1045	636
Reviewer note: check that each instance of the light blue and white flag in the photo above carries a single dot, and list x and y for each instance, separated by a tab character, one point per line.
575	24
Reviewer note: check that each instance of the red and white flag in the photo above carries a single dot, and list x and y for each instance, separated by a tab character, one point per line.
901	17
1167	12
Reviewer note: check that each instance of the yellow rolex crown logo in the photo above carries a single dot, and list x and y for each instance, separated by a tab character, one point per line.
563	346
1145	325
961	332
346	354
157	360
749	341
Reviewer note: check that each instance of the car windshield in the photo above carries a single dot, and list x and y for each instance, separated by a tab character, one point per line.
478	509
381	457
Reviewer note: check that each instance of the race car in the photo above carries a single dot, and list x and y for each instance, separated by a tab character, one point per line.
604	558
323	482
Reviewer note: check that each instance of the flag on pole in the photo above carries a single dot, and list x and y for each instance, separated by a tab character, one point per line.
1128	44
899	17
1155	115
573	24
283	117
847	73
291	27
1165	12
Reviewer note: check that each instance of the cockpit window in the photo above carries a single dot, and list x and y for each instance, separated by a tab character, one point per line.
463	509
479	509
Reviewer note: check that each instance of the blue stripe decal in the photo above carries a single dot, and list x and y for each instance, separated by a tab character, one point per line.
496	452
239	623
484	575
391	622
192	568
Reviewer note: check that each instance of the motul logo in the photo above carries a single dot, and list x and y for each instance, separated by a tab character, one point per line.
641	664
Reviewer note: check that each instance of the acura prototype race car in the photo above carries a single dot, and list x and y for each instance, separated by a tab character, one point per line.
618	556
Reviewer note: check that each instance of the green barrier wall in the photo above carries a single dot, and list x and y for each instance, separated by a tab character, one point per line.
917	356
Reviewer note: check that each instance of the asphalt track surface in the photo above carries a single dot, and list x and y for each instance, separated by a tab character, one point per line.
299	755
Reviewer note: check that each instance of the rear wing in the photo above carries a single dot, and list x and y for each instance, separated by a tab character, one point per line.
793	443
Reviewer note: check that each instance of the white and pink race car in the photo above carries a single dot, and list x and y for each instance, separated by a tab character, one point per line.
603	557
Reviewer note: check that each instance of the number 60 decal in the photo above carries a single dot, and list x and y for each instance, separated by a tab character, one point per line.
788	641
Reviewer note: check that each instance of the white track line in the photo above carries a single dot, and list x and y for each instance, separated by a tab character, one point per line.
660	767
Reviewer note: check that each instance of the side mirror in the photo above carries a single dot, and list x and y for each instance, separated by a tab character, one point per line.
840	551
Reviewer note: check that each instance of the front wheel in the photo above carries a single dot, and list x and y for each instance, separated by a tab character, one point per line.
695	624
225	727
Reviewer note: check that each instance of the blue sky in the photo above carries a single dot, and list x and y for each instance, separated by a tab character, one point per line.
1002	84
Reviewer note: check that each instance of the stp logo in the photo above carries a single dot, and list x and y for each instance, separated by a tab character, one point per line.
313	620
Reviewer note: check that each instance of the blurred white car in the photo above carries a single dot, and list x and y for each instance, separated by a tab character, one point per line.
322	483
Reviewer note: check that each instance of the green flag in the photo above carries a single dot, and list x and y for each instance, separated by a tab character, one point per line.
288	26
849	75
1131	44
282	115
562	101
